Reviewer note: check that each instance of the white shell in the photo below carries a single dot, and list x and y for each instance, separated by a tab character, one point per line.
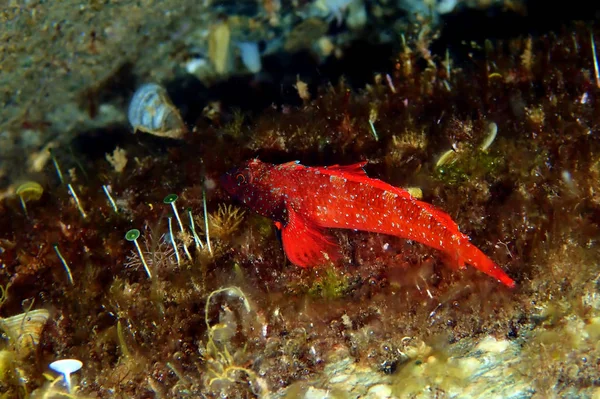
151	111
24	330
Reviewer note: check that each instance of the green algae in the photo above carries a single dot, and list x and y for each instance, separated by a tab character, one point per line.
332	283
471	165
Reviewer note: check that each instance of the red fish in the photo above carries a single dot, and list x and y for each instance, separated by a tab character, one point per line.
304	201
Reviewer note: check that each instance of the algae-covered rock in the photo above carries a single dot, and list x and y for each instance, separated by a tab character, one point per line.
487	369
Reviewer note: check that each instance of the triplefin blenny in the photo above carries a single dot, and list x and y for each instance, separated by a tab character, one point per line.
305	201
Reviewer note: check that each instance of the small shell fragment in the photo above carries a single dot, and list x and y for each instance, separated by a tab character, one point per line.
24	330
151	111
447	158
492	131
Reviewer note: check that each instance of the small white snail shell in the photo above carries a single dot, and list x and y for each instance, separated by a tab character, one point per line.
151	111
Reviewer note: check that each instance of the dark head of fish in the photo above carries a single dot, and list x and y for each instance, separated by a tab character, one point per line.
252	185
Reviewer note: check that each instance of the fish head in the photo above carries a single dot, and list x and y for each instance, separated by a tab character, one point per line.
253	184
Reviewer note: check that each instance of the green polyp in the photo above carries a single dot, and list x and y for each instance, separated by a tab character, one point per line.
132	235
169	199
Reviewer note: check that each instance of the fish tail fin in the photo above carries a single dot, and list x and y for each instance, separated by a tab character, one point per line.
470	254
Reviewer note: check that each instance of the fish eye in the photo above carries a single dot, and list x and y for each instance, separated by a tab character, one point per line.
241	179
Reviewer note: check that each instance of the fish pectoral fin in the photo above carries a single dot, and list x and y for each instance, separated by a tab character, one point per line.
305	244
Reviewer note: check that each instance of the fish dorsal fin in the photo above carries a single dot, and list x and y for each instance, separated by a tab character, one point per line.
356	169
291	165
305	244
356	172
348	171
